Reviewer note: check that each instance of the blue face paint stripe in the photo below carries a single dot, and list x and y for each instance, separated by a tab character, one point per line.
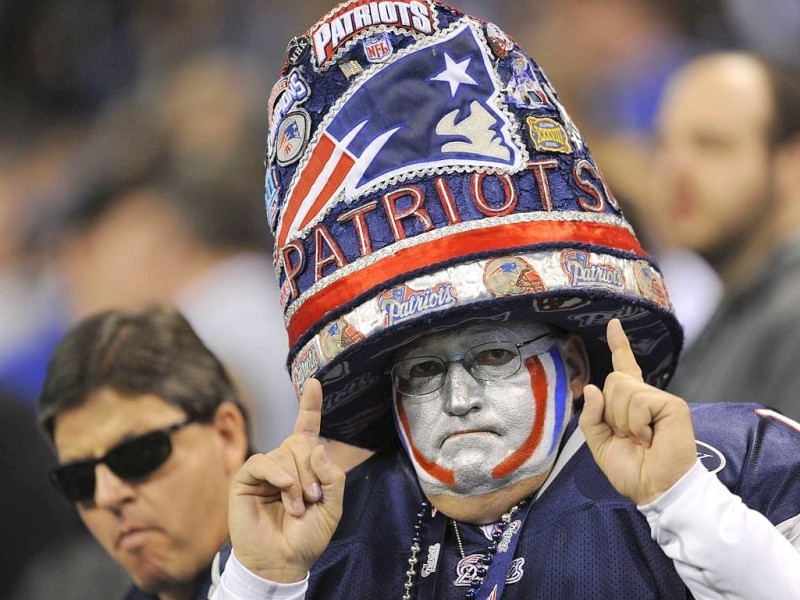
560	399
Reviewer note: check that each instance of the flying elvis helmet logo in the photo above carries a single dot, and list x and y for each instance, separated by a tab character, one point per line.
412	152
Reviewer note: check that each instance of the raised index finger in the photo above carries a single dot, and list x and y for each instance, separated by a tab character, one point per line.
309	416
621	354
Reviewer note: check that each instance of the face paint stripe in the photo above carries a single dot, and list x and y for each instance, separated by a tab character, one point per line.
446	476
561	395
539	388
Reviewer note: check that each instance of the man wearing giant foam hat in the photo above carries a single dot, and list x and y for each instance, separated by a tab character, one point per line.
458	284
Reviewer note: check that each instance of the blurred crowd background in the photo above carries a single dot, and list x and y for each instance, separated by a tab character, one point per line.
131	144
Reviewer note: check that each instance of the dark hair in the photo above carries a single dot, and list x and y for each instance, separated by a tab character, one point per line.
784	81
155	351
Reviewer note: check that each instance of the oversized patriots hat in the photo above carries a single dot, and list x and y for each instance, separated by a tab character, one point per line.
422	174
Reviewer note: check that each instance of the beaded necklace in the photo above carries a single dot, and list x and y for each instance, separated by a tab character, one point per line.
484	561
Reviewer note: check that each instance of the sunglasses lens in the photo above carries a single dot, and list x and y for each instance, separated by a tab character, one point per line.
134	459
139	457
75	481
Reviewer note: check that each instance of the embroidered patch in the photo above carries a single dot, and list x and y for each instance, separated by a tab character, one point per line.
511	276
292	137
548	135
337	336
378	48
297	50
305	365
271	190
649	283
349	22
290	92
523	89
582	272
499	42
402	302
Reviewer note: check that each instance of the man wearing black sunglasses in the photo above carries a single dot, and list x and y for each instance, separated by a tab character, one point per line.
149	432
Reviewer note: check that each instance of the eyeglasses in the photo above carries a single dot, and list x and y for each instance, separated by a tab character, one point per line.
492	361
131	460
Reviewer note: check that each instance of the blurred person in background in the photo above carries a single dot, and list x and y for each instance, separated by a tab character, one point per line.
728	183
32	518
91	92
149	431
611	77
133	243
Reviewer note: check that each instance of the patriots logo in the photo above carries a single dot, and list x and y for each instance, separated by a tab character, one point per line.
449	117
292	133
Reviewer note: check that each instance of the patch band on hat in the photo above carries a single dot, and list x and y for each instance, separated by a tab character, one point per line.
478	282
440	246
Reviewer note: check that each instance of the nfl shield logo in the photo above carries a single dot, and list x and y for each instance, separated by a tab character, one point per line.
378	48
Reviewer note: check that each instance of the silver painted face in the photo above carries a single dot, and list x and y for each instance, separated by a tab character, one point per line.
473	436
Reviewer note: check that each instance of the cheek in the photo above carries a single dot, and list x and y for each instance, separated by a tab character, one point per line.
101	524
416	419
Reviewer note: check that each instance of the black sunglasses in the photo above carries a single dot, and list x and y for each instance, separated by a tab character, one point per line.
131	460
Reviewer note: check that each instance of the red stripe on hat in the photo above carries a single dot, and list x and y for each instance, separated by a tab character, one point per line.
316	163
340	172
464	243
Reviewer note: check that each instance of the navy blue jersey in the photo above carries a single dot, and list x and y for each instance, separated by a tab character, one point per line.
581	539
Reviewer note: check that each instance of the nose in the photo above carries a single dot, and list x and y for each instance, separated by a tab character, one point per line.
673	156
461	392
110	491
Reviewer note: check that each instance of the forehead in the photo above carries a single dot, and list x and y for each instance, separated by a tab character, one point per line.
457	339
719	92
107	418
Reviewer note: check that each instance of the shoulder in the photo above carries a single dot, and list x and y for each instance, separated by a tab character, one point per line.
737	429
754	451
735	420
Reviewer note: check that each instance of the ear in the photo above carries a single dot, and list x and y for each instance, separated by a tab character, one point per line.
577	362
232	434
786	177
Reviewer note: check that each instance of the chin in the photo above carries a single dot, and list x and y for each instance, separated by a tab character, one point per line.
153	577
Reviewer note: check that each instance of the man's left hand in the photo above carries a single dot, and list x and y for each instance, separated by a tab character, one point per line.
641	437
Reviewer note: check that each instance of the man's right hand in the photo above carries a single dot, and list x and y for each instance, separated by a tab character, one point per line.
286	504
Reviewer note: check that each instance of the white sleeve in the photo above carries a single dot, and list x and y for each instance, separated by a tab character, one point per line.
238	583
720	547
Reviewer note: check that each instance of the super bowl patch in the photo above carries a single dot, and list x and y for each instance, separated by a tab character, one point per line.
548	135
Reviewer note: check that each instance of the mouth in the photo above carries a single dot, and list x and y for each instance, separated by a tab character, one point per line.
682	205
466	433
132	538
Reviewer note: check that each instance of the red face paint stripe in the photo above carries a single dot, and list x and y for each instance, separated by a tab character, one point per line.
457	245
523	453
446	476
